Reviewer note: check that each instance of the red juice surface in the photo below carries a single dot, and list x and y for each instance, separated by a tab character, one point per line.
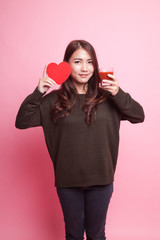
104	75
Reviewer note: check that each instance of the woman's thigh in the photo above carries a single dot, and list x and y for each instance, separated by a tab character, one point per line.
72	203
96	205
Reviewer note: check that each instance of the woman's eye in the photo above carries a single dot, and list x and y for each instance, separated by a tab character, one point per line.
90	62
77	61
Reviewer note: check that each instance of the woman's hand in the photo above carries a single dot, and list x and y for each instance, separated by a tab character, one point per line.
110	85
45	82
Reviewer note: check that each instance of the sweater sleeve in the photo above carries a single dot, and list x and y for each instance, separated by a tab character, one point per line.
29	113
129	108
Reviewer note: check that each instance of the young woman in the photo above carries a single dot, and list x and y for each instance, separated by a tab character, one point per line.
81	122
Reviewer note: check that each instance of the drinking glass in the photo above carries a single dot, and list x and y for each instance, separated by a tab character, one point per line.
103	72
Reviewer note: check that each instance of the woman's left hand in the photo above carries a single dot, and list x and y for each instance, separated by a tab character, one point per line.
110	85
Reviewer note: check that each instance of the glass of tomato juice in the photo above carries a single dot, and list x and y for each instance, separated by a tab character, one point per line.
103	72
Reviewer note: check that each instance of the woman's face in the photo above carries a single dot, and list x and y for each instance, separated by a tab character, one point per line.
81	66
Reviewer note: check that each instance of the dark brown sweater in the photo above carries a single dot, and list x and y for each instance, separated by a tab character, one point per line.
82	155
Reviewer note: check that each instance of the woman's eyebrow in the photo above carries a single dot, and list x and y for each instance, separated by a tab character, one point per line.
82	59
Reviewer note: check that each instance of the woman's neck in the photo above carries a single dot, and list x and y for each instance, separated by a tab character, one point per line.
81	88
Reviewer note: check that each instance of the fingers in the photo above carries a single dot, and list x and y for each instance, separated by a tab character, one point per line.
106	82
46	81
113	89
45	71
112	76
110	85
46	78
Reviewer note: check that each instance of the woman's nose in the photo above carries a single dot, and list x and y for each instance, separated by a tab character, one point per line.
84	67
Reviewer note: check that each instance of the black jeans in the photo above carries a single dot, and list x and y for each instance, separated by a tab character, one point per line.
85	209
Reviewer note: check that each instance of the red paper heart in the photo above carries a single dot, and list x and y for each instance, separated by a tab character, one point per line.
59	73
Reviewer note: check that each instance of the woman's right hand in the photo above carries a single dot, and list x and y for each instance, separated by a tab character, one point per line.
45	82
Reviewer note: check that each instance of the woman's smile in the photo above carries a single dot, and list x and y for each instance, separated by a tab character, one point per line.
83	75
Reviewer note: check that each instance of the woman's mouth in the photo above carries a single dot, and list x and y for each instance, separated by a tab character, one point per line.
83	75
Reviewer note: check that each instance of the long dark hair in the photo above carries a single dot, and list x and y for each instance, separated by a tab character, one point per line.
67	94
